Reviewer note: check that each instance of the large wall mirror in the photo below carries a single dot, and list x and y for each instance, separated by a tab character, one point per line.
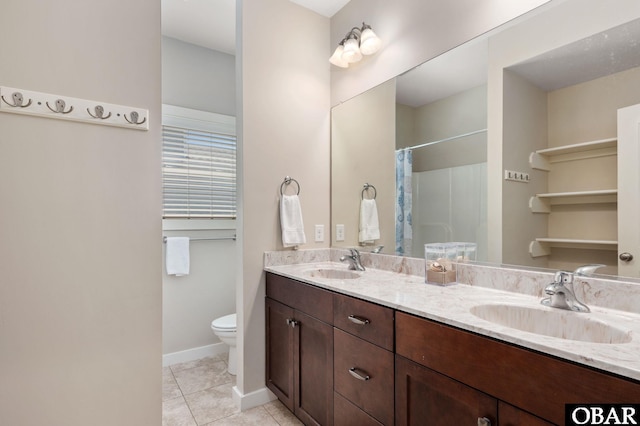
521	141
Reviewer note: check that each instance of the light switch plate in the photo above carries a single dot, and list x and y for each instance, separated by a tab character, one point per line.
319	234
340	232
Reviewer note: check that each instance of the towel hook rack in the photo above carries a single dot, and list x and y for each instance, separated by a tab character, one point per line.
287	181
366	187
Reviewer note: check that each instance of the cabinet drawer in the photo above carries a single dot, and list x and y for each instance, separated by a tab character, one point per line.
500	369
347	414
366	320
373	391
303	297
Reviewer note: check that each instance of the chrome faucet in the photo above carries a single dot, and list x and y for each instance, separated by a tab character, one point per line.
353	259
561	292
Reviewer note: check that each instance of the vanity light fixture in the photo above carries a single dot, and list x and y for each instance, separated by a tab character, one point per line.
357	42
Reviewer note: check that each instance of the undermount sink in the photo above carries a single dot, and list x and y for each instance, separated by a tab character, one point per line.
336	274
553	323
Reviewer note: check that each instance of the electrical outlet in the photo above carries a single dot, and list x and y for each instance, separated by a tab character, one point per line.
339	232
516	176
319	233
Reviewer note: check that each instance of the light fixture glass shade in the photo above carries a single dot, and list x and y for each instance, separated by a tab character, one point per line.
351	51
369	42
336	59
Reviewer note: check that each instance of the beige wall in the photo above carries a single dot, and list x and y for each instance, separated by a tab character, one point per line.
283	130
412	32
190	303
524	130
405	126
363	129
588	111
80	293
462	113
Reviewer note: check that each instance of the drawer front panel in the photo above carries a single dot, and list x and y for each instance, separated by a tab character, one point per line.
364	374
501	369
366	320
303	297
347	414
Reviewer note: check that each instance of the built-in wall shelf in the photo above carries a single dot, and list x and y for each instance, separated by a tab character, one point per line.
543	158
542	246
541	203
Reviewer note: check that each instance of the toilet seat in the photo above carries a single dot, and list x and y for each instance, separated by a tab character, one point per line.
226	323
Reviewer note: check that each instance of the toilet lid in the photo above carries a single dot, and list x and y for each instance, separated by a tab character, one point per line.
227	322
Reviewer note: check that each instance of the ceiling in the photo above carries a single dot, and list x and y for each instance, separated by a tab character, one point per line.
212	23
465	67
606	53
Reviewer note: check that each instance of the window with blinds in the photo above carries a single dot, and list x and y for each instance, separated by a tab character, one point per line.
198	173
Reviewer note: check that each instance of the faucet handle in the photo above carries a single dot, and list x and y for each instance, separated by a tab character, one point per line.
588	269
563	277
354	252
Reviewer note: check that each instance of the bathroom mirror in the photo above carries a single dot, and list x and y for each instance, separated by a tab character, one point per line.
480	111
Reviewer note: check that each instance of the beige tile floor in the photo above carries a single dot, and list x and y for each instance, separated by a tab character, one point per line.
198	393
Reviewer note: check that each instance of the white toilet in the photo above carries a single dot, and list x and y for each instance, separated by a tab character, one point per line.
225	329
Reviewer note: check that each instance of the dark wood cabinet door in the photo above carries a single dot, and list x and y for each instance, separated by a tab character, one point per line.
279	347
508	415
313	367
424	397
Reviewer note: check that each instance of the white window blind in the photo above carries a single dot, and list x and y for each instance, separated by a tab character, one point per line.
198	173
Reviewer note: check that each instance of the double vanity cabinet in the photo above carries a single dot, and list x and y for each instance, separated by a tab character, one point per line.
334	359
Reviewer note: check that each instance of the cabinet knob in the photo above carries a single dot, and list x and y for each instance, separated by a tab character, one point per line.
626	257
483	421
358	320
359	374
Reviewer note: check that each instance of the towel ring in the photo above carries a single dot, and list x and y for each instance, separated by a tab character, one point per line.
365	187
287	181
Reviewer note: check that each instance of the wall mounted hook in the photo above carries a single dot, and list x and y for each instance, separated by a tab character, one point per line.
134	118
18	100
99	112
60	106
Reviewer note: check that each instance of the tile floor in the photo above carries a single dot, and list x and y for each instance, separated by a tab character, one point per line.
198	393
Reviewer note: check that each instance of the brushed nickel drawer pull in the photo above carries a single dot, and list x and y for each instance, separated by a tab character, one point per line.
358	320
483	421
358	375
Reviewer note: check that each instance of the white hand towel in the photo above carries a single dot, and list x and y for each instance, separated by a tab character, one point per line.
291	221
177	256
369	227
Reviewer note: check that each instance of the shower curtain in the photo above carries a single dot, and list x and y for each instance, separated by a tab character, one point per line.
404	161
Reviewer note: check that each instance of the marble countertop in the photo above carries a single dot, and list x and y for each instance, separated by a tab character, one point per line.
452	305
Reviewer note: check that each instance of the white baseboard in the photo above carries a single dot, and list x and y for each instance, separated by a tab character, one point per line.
253	399
194	353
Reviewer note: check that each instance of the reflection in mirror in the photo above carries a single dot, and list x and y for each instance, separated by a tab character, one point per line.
527	93
441	125
561	106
